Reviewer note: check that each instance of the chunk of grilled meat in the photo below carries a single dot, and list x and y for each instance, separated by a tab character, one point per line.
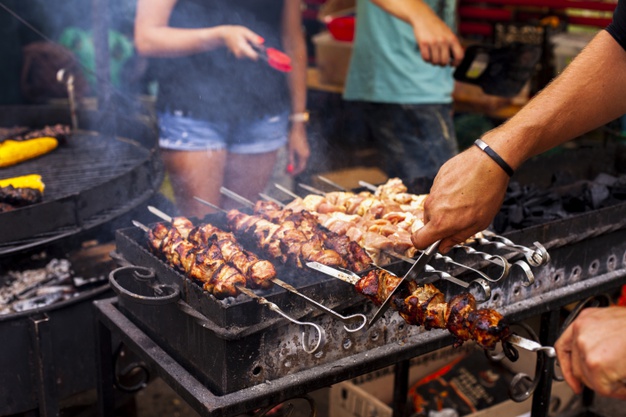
20	197
425	305
284	242
202	263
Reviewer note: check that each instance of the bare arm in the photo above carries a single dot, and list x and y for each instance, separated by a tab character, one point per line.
469	189
588	94
295	47
437	43
154	36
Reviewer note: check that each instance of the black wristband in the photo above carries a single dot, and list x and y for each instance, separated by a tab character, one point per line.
493	155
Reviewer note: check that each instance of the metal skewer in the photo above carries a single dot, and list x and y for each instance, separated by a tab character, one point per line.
208	203
311	189
369	186
286	191
309	344
481	283
329	182
355	321
447	260
68	79
238	198
536	257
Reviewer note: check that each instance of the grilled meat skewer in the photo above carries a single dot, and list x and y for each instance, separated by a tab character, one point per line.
425	305
356	258
205	264
259	273
284	242
418	304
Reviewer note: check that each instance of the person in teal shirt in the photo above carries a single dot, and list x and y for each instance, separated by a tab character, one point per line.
401	74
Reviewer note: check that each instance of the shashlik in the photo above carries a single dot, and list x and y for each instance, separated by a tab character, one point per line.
203	263
284	242
258	272
425	305
380	222
417	304
355	256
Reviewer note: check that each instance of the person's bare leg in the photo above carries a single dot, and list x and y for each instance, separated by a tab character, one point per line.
195	173
247	175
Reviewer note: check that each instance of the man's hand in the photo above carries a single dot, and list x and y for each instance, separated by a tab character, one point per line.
465	197
437	43
591	352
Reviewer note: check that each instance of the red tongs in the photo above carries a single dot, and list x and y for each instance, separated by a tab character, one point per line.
274	58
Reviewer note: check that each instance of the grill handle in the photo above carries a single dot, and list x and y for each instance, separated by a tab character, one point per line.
134	283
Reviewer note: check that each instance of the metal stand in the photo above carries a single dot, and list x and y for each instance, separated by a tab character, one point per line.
111	321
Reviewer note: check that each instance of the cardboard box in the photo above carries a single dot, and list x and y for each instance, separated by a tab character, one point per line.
332	58
371	394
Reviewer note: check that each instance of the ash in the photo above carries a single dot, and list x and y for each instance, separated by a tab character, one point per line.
32	288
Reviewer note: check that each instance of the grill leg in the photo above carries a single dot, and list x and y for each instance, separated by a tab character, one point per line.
47	390
548	334
104	355
400	388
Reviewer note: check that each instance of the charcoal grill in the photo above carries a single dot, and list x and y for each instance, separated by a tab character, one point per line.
588	258
90	180
249	343
102	172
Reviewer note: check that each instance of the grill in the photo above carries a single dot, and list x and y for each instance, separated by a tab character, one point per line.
90	180
101	173
588	258
249	342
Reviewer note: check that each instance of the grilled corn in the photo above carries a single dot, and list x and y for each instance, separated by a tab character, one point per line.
13	152
25	181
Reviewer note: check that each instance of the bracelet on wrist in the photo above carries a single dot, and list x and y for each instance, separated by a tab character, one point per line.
302	117
494	156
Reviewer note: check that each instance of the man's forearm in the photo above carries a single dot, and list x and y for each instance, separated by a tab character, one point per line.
589	93
407	10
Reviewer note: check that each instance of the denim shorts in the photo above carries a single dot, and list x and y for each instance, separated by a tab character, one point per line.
181	133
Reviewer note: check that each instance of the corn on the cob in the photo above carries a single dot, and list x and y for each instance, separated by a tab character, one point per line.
13	152
25	181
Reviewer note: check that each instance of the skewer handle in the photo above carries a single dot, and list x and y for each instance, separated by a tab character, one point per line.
359	320
309	344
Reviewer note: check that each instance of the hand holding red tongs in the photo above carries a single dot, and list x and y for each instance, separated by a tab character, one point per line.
274	58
